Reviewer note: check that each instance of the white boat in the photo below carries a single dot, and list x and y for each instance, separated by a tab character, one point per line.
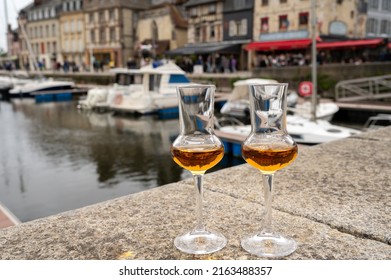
324	110
42	87
302	130
238	104
16	78
158	91
101	98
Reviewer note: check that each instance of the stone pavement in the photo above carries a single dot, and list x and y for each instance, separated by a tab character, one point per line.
335	200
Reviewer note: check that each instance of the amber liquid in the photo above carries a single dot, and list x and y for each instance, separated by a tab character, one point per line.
197	159
269	158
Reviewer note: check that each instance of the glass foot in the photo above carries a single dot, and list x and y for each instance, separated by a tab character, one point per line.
269	245
200	242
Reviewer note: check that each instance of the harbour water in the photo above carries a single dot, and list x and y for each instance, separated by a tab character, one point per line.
55	158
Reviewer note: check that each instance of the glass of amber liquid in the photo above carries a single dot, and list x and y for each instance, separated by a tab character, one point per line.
268	148
197	149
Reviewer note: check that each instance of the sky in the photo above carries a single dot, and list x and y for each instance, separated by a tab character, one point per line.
13	8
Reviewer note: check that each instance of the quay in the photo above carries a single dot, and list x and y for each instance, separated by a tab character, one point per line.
334	200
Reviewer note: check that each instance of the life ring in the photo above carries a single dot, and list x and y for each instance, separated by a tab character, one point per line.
305	89
118	99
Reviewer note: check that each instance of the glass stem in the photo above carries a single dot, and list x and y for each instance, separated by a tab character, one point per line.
199	195
268	194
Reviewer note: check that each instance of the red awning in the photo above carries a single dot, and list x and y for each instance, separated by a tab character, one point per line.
349	44
278	45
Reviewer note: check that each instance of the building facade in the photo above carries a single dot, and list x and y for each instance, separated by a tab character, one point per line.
379	18
110	28
283	19
205	21
72	33
161	28
238	26
40	30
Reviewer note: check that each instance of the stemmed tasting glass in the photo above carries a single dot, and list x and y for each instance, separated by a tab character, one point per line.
268	148
197	149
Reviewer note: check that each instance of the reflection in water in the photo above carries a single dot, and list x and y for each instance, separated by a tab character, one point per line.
55	158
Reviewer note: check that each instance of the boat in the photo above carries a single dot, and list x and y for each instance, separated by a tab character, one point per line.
301	129
158	91
16	78
324	110
44	90
101	98
377	121
238	103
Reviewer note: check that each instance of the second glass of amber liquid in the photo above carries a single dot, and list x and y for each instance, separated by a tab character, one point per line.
268	148
197	149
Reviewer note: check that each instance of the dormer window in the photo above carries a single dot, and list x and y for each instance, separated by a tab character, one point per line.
193	12
212	8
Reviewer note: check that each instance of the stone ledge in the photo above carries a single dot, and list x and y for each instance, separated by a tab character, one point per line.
333	200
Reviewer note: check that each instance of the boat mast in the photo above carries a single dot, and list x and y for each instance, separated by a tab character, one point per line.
6	17
32	57
314	62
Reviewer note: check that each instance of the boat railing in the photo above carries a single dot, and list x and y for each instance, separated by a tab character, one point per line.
380	120
371	88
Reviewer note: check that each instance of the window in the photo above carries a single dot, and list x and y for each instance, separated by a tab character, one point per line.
111	14
91	17
352	14
112	34
54	47
239	4
102	35
383	27
283	1
283	22
92	36
53	30
265	2
303	19
264	25
47	31
232	28
371	25
243	27
101	16
197	33
193	12
212	8
79	25
212	32
339	2
374	4
386	5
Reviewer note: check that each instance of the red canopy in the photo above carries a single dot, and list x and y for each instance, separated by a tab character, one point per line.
278	45
349	44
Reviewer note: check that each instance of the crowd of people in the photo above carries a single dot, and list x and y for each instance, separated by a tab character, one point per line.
210	64
300	59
